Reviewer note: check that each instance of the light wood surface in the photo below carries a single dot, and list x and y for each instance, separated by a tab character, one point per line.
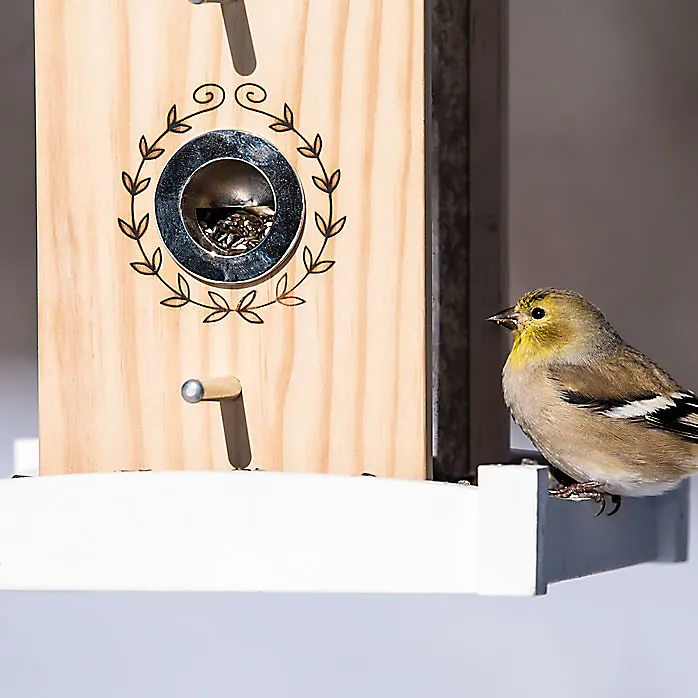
335	385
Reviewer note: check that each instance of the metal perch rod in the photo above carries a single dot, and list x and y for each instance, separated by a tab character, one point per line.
211	389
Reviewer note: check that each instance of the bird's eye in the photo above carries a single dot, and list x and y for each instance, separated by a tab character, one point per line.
537	313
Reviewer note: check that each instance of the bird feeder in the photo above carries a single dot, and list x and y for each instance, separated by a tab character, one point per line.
275	192
269	235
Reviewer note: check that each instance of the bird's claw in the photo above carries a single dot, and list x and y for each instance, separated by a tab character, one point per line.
617	501
587	492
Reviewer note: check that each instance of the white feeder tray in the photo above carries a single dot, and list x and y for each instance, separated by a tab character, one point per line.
283	532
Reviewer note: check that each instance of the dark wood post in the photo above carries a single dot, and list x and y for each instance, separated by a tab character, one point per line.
466	81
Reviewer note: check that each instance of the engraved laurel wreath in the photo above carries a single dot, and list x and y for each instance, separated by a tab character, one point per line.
211	96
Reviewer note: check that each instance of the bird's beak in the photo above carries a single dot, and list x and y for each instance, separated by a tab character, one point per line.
508	318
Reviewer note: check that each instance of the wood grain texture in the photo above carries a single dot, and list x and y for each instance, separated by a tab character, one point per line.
336	385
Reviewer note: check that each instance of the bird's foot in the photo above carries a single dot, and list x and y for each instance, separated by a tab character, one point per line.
579	491
587	492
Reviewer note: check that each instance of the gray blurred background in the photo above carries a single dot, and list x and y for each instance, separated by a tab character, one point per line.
603	163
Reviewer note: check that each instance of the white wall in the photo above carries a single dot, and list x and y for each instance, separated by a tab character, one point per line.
604	165
604	146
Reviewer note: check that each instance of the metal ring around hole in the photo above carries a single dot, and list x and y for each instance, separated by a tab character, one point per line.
275	248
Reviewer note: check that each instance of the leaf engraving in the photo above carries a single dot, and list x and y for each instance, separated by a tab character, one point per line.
174	302
322	266
154	153
322	184
216	316
143	268
127	181
156	261
141	186
127	229
280	127
180	127
334	181
142	226
307	259
251	317
183	286
321	224
290	301
218	300
288	115
336	228
306	151
246	301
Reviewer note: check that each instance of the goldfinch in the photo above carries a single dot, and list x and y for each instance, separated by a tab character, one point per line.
600	411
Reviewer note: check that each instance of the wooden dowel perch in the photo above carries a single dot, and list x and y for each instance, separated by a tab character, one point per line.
211	389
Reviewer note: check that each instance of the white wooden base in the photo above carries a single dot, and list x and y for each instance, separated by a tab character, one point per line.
281	532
